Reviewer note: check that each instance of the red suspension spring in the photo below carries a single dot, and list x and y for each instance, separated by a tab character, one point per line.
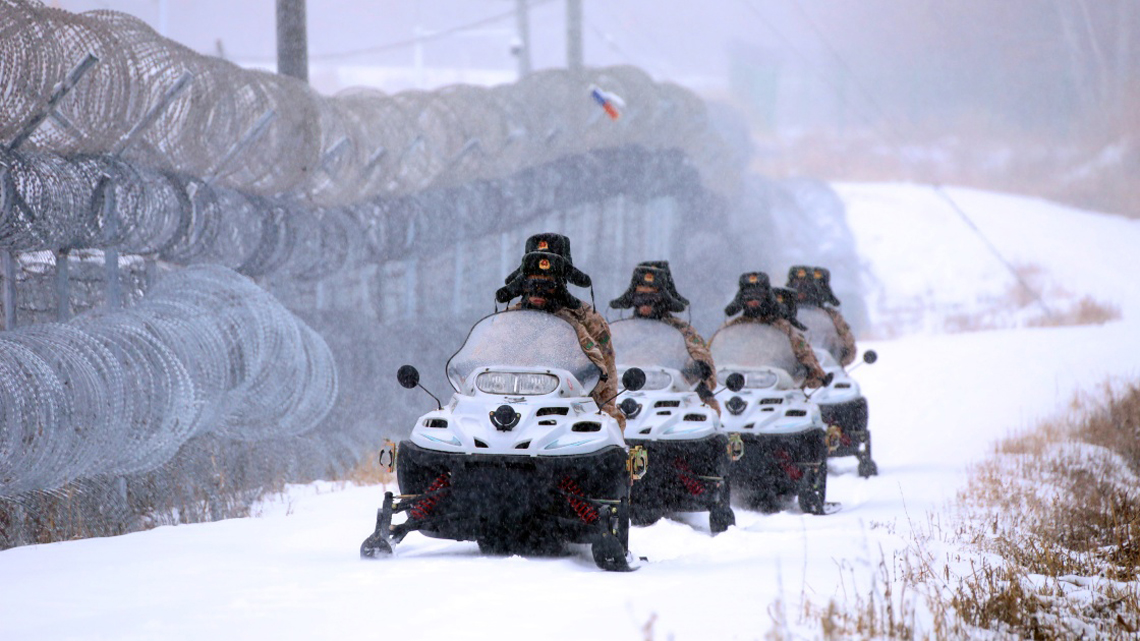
584	510
424	506
688	477
784	460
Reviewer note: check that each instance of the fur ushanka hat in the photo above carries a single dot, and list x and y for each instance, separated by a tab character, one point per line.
554	244
788	308
543	265
812	285
663	265
754	286
648	286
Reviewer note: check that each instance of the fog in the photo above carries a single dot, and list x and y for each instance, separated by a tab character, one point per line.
792	63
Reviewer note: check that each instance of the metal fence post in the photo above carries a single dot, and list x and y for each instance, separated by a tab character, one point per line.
57	95
114	290
8	267
62	286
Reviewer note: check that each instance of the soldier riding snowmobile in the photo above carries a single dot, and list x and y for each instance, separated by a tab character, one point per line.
674	416
767	365
522	458
842	404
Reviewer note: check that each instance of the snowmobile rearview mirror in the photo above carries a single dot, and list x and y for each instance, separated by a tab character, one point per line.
735	381
869	356
633	379
408	376
830	376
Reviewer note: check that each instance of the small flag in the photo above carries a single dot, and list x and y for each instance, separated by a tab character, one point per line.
607	101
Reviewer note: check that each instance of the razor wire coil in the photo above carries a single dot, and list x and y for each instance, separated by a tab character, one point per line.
326	150
207	352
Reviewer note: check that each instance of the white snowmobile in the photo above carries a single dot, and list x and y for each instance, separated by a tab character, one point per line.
842	404
781	427
690	450
521	458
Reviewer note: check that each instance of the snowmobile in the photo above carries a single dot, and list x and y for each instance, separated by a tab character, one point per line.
841	403
690	450
521	459
782	429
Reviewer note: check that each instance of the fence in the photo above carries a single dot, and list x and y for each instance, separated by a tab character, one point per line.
375	228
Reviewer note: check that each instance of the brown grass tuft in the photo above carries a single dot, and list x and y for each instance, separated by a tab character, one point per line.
1033	301
369	471
1045	542
1060	508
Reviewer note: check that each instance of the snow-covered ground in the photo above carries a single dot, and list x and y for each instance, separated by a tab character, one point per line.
938	402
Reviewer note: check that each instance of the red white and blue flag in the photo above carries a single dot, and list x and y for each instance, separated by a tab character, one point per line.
609	102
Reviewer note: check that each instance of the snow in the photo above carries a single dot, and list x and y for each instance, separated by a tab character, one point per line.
938	402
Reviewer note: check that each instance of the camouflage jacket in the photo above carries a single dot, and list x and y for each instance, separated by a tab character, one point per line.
800	347
594	337
845	335
698	351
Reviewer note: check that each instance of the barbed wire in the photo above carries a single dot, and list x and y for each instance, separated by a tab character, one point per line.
205	376
207	352
329	151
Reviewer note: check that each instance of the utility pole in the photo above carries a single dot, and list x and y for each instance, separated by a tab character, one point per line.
523	50
574	58
292	40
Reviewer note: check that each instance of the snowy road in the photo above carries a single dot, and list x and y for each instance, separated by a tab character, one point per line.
938	402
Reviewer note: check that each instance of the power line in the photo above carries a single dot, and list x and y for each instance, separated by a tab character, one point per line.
895	140
810	67
437	35
850	72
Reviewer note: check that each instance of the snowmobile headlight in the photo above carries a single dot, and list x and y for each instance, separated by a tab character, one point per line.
525	384
495	383
539	384
759	380
752	380
656	379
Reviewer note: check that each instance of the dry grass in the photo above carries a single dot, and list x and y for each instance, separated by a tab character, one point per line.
369	471
1033	300
1045	543
1085	311
1039	302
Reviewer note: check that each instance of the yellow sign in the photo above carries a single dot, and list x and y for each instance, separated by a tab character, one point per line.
735	447
637	463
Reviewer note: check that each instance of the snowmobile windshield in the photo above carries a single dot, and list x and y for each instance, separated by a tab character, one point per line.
644	343
524	339
751	345
821	331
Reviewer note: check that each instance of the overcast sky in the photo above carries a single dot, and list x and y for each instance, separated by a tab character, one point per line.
1020	63
678	40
